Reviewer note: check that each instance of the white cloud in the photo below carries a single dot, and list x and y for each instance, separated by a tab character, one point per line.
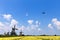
30	21
13	22
7	26
33	27
50	26
30	28
37	22
1	24
55	23
4	27
7	16
39	29
54	19
22	28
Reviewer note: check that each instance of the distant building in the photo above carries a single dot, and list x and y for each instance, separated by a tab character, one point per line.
21	33
13	31
8	33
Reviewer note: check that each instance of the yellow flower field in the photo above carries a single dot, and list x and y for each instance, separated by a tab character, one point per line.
31	38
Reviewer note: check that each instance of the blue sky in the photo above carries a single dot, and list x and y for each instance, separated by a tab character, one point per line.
28	12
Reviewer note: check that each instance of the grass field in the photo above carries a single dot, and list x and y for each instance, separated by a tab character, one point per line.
31	38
